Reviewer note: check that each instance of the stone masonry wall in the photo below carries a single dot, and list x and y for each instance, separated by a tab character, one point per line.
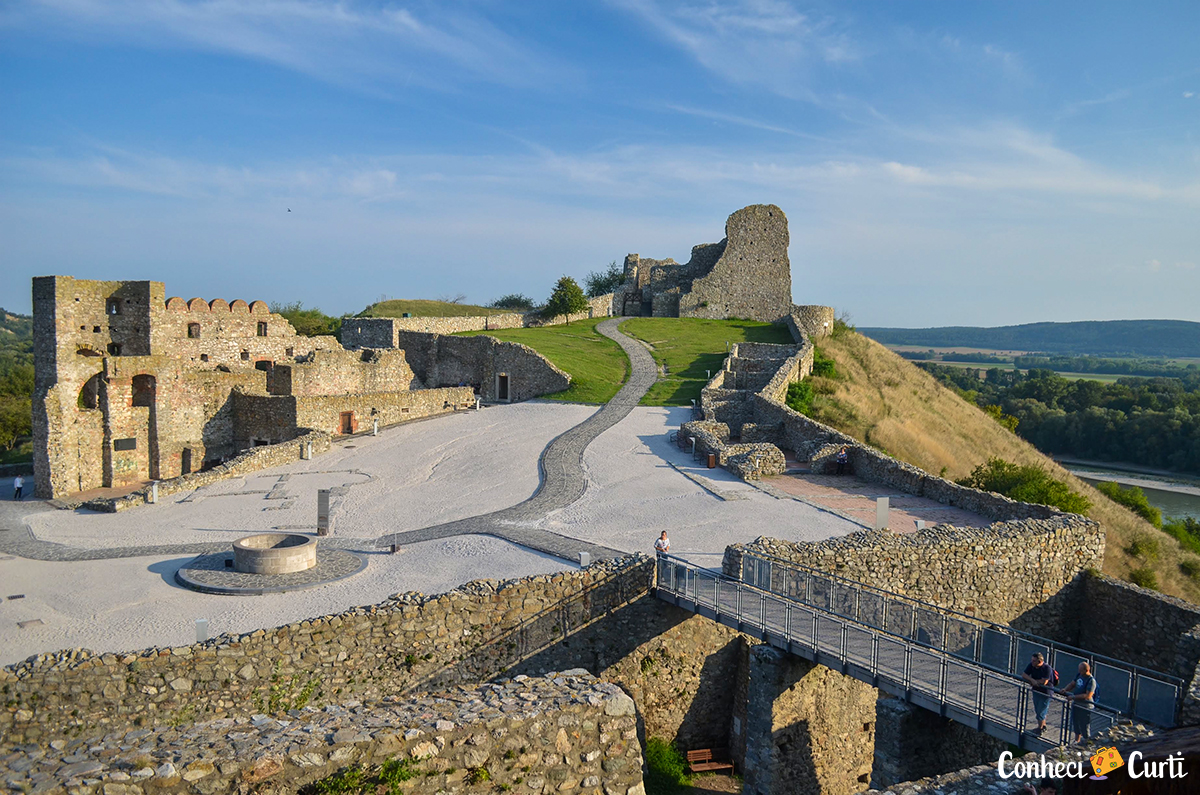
1022	573
752	278
365	331
564	733
324	412
252	460
912	743
441	360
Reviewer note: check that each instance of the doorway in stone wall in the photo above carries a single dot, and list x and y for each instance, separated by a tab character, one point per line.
346	422
144	394
502	386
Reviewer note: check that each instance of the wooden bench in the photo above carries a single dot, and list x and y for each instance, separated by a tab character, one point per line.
704	760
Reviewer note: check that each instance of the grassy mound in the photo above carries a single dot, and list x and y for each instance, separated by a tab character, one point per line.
597	365
889	403
422	308
688	348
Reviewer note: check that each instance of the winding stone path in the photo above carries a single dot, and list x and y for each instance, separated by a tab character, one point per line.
562	482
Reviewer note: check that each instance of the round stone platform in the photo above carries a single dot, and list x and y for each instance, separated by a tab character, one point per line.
213	574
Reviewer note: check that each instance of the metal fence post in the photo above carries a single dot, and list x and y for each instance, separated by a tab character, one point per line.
762	611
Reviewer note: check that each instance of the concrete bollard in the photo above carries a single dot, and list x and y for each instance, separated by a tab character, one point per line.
201	630
154	493
920	524
375	428
585	559
881	513
323	512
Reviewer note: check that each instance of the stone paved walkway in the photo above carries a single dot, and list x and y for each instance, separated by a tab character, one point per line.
562	483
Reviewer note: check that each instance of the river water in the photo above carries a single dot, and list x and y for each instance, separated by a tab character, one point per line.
1173	496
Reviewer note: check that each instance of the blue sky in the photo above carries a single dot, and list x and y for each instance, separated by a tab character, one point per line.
939	162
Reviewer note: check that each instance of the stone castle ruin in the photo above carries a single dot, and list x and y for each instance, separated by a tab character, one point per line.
130	386
747	275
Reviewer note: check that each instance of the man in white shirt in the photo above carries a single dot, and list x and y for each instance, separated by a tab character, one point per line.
18	488
663	544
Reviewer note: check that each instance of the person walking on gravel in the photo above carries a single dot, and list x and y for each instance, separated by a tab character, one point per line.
18	488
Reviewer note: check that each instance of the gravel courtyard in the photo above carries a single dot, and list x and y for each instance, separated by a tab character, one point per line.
409	477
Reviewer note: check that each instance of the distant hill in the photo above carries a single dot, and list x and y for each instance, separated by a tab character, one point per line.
15	327
1168	338
422	308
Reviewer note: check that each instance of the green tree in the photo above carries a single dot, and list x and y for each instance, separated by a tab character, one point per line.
1025	484
1132	498
605	281
513	301
308	322
567	299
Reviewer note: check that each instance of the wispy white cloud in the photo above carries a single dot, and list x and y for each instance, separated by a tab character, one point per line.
1188	94
742	121
768	43
349	42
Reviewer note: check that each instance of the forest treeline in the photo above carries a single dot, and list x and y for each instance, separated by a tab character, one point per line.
1123	338
16	384
1153	422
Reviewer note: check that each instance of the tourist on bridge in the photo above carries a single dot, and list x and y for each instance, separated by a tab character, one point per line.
1041	676
663	545
1083	694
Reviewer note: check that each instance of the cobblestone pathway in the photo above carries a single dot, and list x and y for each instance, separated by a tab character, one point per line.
562	483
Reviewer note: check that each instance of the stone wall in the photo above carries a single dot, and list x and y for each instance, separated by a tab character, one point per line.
814	321
752	278
1023	573
363	332
913	743
481	362
252	460
810	730
563	733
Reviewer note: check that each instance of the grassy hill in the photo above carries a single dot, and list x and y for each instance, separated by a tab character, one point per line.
886	401
422	308
1166	338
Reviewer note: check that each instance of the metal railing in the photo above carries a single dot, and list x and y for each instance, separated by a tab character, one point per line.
963	690
1127	689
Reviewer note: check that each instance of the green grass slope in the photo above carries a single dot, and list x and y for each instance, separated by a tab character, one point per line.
886	401
597	365
689	348
423	308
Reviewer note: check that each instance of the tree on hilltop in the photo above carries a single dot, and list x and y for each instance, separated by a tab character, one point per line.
567	299
601	282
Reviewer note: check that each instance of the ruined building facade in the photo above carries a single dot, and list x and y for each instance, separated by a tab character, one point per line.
746	275
130	386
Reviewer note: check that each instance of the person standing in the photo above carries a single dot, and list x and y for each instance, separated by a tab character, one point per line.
18	488
843	456
1083	694
663	545
1041	676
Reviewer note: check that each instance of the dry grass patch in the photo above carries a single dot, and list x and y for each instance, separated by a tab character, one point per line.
893	405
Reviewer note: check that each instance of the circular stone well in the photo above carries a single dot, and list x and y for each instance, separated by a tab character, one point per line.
274	553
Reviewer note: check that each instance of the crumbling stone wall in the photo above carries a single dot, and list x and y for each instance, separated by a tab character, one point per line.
746	275
373	335
562	733
810	730
1025	572
481	362
912	743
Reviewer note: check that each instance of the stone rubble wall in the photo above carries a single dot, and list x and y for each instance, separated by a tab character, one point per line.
1022	572
362	332
676	665
1146	627
912	743
442	360
252	460
562	733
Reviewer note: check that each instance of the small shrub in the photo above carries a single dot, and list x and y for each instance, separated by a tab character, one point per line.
1190	567
1186	531
345	781
1144	547
1144	577
1132	498
478	775
800	396
514	301
823	366
1007	420
397	770
842	326
666	768
1025	484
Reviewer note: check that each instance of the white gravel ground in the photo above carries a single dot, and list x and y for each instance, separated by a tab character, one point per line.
133	603
409	477
634	494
